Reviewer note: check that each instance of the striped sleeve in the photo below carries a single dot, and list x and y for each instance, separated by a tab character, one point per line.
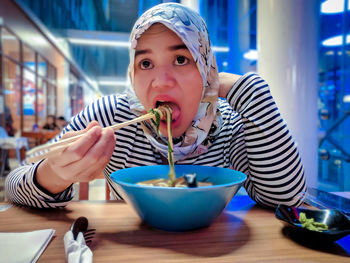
275	171
21	188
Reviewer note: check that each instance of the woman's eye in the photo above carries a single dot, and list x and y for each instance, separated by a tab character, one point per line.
181	60
146	64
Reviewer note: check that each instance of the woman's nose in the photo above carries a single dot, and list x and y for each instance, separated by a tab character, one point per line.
163	78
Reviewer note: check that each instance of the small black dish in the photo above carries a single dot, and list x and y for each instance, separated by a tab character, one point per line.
338	224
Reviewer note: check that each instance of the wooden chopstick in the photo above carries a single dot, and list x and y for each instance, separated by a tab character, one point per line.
51	152
54	148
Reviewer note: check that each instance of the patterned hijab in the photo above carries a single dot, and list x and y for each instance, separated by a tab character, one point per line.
191	29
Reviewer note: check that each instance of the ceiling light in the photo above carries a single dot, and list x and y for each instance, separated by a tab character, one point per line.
97	42
335	41
126	44
333	6
8	37
330	53
252	54
112	83
346	98
220	49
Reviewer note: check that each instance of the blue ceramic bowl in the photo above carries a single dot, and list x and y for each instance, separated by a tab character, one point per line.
178	209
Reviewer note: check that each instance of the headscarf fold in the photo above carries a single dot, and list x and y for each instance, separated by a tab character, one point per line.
192	30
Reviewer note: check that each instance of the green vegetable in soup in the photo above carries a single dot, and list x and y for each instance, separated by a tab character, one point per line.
156	122
168	115
309	223
171	174
172	181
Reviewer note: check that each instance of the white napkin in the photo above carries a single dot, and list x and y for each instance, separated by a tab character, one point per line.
24	247
3	208
76	250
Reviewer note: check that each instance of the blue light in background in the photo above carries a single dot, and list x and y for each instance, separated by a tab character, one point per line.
333	6
251	54
335	41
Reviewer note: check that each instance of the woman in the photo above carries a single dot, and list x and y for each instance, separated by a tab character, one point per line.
171	62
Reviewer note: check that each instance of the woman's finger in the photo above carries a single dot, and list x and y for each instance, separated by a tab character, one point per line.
76	133
94	171
77	150
101	163
97	156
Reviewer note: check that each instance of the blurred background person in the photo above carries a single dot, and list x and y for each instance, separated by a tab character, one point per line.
9	122
51	123
61	122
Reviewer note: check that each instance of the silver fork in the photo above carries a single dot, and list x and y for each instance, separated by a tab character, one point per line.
81	225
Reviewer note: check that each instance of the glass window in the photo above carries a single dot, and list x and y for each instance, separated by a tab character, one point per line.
12	94
42	102
28	100
29	58
10	44
79	103
73	83
42	66
51	100
52	74
75	94
334	99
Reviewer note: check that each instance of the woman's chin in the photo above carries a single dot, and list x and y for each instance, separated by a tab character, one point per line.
176	132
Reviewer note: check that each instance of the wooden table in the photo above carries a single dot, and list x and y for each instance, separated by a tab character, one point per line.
242	233
39	137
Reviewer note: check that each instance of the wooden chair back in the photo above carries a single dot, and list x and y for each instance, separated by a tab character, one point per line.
84	191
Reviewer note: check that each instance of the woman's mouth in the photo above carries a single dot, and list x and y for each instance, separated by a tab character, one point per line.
176	111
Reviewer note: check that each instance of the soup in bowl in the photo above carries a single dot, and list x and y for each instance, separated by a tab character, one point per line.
178	208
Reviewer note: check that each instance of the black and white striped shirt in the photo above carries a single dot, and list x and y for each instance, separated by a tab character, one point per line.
253	139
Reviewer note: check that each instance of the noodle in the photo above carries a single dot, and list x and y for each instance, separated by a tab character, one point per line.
172	181
171	174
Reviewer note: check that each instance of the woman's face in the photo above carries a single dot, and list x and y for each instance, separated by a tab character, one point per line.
165	72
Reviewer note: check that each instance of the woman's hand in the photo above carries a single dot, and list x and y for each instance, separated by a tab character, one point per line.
82	161
227	80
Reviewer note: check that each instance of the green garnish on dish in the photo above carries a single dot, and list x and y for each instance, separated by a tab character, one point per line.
311	224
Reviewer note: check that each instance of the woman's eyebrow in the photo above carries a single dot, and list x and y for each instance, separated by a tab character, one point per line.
177	47
172	48
142	51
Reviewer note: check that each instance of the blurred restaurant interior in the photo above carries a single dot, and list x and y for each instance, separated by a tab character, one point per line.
58	56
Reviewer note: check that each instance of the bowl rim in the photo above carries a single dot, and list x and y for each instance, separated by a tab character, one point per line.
134	185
